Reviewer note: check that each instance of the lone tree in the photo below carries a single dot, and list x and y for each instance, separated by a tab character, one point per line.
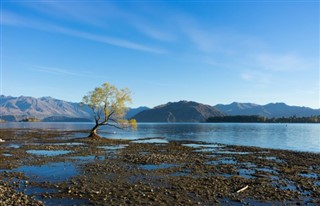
108	104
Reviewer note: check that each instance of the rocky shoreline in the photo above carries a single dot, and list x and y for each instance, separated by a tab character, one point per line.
56	168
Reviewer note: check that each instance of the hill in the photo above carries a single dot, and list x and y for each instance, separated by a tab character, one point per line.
183	111
268	110
133	111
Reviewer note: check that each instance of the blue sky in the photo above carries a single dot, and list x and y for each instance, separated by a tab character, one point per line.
209	51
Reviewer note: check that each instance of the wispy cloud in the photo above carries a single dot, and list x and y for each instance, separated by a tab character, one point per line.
76	11
153	32
282	62
144	20
247	76
16	20
217	41
9	18
145	26
261	79
109	40
160	84
63	71
227	48
58	71
202	39
100	15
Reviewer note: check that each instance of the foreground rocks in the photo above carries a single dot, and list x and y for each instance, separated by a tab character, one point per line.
8	196
118	172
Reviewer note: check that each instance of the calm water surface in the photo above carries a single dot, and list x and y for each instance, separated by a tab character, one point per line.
301	137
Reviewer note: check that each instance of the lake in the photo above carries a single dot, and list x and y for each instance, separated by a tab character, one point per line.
299	137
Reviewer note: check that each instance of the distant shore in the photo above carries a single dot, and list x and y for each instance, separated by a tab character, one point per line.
115	172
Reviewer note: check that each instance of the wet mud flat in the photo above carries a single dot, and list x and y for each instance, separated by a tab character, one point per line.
47	167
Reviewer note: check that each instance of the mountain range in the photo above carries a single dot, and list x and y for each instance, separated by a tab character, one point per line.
268	110
183	111
40	108
50	109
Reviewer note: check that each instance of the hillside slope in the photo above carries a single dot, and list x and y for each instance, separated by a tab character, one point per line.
183	111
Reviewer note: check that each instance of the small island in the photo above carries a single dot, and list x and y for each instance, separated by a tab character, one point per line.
30	119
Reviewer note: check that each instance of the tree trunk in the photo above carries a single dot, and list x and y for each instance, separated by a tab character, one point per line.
93	133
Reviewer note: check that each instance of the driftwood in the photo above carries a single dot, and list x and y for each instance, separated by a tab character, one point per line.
242	189
1	140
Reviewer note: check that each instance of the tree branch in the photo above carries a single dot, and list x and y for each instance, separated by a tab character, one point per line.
106	119
113	120
113	125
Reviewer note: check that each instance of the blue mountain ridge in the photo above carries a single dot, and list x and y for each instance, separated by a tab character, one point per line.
269	110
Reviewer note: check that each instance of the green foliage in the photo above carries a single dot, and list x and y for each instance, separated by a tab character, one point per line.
259	119
108	104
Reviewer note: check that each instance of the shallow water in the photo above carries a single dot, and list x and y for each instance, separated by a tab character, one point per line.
88	158
156	141
113	147
272	159
37	190
48	152
15	146
67	144
202	145
269	170
300	137
223	161
156	167
246	173
65	201
310	175
232	152
52	172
